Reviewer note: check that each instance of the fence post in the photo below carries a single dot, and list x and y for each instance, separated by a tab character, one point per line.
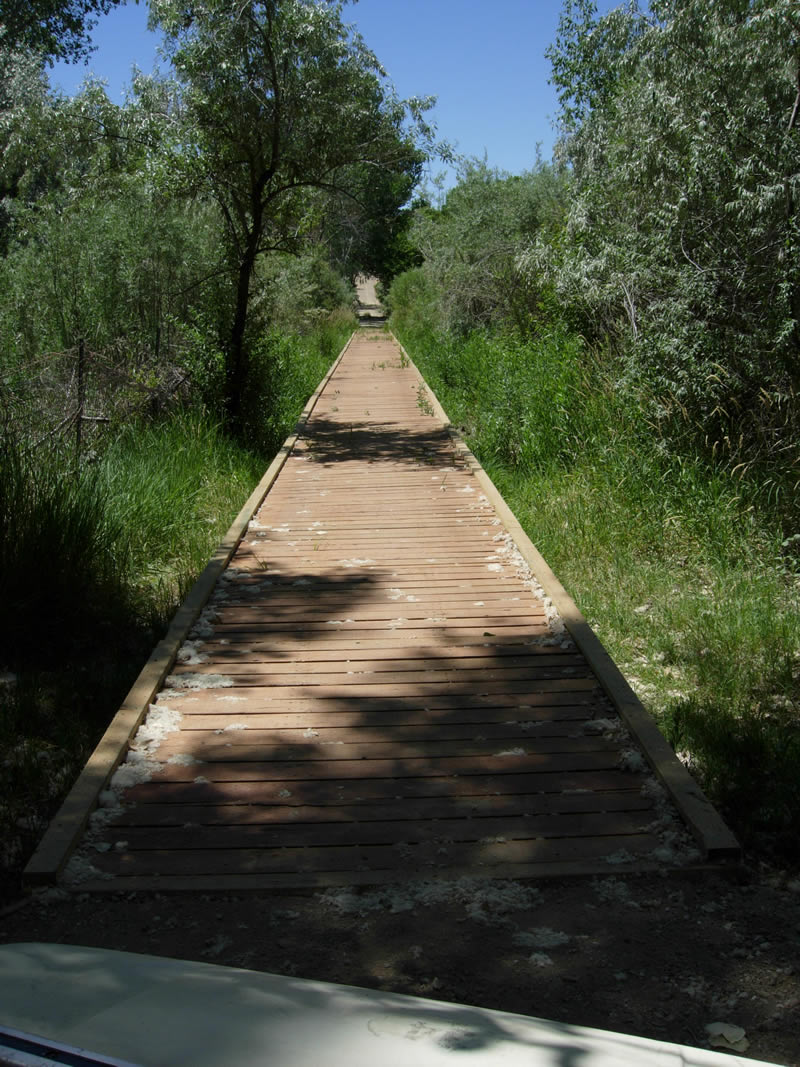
81	403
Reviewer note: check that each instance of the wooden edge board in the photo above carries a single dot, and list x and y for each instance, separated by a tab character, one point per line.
702	818
65	828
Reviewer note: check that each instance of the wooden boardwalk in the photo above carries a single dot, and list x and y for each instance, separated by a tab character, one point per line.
375	691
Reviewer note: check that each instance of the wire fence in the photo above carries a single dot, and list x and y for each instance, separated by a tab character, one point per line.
76	399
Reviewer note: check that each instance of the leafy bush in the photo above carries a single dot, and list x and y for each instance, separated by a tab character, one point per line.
682	242
285	369
473	244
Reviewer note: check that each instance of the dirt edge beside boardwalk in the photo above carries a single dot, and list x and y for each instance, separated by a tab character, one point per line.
656	956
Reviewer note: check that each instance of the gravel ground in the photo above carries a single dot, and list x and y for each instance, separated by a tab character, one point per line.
657	956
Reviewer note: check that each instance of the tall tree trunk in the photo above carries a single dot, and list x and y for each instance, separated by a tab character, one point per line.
237	364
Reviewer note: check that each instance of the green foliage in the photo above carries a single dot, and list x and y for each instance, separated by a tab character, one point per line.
286	368
172	486
683	243
511	397
281	105
113	264
367	228
91	568
472	247
410	300
296	293
58	29
62	556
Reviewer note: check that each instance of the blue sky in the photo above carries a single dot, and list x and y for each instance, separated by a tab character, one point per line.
483	60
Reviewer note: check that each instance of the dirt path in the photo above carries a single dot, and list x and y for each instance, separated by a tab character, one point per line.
369	306
660	957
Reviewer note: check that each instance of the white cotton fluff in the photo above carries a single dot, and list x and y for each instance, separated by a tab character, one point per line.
600	726
613	891
487	902
103	817
652	790
136	770
540	937
204	624
189	653
540	959
633	761
79	869
191	680
160	722
183	759
620	856
234	574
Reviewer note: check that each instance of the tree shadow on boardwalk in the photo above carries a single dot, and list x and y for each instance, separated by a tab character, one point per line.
332	443
338	748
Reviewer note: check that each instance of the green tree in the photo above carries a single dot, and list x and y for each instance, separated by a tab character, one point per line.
56	29
683	240
474	246
280	101
366	226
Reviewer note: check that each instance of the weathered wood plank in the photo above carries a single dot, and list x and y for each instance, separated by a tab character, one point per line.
422	856
409	809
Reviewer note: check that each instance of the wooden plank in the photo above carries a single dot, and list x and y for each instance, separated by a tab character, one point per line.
297	834
255	673
197	738
419	691
471	654
512	765
362	791
286	814
370	857
262	700
234	748
400	722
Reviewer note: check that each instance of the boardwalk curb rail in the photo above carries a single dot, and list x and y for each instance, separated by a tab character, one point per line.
71	819
705	823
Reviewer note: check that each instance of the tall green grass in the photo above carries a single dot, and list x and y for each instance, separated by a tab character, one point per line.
62	553
685	579
285	370
172	489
